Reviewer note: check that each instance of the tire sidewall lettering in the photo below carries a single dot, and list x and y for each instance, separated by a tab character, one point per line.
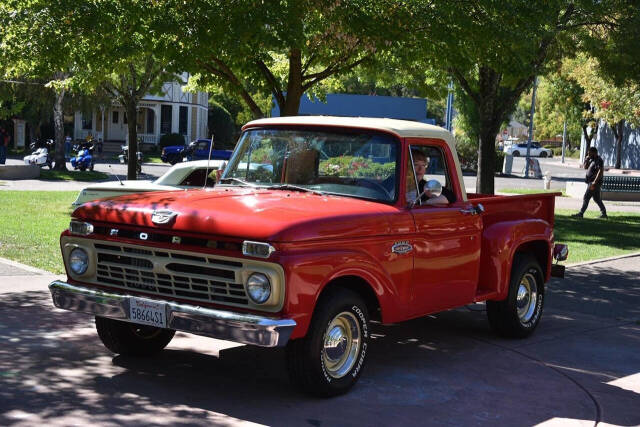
538	310
362	352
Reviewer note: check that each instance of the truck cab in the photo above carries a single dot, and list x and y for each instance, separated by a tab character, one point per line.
317	226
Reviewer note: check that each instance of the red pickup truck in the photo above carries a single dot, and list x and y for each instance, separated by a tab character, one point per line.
317	226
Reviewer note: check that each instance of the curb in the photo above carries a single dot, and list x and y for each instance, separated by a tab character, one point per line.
27	267
597	261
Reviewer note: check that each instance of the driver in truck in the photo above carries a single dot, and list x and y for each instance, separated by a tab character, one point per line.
420	165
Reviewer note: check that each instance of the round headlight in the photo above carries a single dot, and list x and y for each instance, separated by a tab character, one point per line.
259	288
78	261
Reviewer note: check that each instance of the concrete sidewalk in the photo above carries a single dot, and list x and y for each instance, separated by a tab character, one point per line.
581	367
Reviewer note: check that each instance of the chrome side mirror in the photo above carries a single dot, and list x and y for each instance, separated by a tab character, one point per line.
433	187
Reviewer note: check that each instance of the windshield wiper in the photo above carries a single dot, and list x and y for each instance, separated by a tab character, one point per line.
238	181
292	187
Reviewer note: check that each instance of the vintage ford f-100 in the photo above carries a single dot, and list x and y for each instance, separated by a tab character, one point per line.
317	226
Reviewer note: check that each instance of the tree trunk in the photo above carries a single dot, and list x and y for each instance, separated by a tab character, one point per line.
58	123
132	119
487	158
618	132
294	86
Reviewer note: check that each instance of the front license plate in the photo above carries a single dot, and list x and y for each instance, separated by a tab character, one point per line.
147	313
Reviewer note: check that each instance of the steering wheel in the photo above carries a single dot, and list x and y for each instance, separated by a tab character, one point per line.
375	185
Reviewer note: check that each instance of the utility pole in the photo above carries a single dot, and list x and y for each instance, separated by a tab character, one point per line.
449	116
533	110
564	139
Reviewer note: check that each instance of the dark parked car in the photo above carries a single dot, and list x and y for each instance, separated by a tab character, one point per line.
195	150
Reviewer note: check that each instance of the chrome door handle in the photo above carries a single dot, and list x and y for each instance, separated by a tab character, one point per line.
473	210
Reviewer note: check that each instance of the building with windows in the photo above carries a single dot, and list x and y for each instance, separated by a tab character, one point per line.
175	111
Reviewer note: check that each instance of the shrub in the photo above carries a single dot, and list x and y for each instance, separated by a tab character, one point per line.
171	139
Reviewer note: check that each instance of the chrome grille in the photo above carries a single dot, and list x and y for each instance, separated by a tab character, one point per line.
170	274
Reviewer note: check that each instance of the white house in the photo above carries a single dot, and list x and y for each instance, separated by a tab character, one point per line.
175	111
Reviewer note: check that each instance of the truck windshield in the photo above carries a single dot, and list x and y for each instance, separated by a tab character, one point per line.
358	164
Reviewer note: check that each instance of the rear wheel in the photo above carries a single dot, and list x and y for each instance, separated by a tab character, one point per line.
329	360
519	314
543	154
516	154
91	166
131	339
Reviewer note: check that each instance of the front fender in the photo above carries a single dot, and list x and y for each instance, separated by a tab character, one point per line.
308	274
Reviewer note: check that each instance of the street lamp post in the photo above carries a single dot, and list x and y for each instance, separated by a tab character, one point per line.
449	116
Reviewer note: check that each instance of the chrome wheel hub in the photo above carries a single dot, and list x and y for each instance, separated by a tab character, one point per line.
342	342
527	297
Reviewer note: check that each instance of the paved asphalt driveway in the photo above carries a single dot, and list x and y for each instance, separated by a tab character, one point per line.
582	366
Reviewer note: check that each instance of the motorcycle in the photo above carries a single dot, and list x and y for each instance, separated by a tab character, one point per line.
84	159
40	155
124	158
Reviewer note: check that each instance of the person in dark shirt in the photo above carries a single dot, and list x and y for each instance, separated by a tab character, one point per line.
595	171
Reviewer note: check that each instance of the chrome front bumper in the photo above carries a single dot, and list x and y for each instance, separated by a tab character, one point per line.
224	325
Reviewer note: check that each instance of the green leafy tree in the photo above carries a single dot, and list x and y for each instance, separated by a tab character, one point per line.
615	103
282	48
36	47
493	51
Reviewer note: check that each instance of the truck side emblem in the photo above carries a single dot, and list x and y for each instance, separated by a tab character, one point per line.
176	239
144	236
401	247
113	232
163	216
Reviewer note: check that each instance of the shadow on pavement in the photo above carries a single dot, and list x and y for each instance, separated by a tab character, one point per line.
444	369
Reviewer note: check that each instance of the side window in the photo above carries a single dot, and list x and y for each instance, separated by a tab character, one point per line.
428	164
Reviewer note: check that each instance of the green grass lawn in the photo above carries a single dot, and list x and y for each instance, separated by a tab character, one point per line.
31	223
71	175
593	238
152	159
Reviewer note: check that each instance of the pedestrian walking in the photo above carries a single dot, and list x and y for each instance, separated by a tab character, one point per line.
4	145
595	171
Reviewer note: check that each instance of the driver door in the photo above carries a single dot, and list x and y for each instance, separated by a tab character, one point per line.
447	240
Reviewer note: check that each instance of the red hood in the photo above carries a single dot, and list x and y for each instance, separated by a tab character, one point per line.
263	215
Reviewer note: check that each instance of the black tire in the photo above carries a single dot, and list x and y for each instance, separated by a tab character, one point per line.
131	339
309	362
50	164
519	315
516	153
173	161
83	168
138	168
91	166
543	154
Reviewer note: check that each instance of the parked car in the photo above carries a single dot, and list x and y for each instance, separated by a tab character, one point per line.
195	150
520	149
181	176
306	249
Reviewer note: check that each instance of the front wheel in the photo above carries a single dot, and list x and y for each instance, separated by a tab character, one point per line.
138	168
516	154
519	314
91	166
543	154
131	339
329	360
